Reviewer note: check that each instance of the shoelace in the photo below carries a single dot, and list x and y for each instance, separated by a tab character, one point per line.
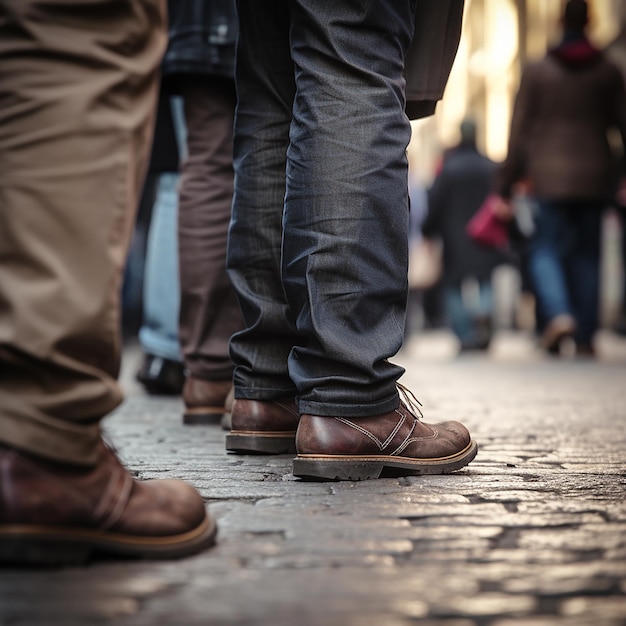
412	403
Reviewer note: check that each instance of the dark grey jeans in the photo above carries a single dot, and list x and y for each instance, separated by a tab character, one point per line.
318	239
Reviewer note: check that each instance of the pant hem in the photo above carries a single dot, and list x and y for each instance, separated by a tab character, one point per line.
264	393
56	441
335	409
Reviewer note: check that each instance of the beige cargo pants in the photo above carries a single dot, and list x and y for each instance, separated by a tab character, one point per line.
78	83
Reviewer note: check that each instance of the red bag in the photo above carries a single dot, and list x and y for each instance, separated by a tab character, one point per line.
486	228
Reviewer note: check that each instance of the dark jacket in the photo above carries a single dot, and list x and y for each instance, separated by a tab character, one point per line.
566	104
202	40
201	43
462	185
431	54
202	37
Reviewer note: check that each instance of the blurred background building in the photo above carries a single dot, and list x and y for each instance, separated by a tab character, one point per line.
499	37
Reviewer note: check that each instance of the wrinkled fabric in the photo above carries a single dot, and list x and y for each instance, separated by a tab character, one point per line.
318	247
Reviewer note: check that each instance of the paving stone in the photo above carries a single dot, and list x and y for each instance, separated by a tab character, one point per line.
532	533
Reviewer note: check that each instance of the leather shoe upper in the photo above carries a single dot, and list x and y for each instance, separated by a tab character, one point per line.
200	393
265	415
397	433
41	492
161	376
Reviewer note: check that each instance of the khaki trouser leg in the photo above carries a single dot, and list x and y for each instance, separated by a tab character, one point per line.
77	100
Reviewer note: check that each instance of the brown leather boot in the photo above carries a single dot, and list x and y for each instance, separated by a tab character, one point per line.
206	401
57	514
396	443
263	427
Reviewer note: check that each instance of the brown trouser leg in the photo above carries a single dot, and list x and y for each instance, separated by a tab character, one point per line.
77	99
209	312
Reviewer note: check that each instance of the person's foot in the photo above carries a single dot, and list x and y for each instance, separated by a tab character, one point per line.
475	346
558	329
59	514
161	377
585	350
206	401
395	443
263	426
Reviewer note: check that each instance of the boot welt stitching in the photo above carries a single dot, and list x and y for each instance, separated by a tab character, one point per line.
381	445
406	442
409	440
395	431
379	458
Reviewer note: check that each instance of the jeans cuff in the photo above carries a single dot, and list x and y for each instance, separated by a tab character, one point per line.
263	393
336	409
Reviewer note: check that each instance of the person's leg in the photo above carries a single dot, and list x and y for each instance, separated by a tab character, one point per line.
77	104
546	262
482	315
264	416
159	333
162	368
345	247
620	323
344	253
456	314
584	270
265	92
469	308
73	157
345	250
548	249
134	269
164	157
209	311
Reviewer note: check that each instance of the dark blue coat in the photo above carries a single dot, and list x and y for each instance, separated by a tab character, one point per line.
462	185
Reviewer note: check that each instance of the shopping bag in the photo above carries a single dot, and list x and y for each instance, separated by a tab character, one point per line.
486	228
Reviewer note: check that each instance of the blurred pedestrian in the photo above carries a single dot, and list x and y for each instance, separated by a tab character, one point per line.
318	243
77	103
424	263
458	191
566	104
162	371
616	52
163	160
199	66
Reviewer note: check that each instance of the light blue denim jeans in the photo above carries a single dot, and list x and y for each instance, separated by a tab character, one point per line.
469	309
564	262
318	246
158	334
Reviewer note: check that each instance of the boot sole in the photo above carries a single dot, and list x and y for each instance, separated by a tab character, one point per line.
29	544
367	467
257	442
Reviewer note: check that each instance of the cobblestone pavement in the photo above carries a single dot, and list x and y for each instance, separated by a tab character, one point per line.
533	532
